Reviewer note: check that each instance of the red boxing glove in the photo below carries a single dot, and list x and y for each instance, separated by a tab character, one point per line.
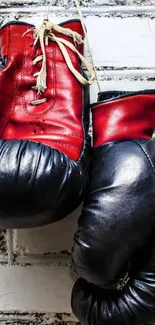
44	120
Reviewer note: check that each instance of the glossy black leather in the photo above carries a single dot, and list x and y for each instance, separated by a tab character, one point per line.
115	235
118	211
116	94
134	305
38	184
117	220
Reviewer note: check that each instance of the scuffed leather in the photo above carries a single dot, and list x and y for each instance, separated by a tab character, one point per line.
43	174
114	229
57	122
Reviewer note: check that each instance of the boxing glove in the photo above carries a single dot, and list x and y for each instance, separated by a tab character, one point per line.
44	120
118	215
133	305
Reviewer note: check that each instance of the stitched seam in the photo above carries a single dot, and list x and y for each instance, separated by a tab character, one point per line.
74	136
147	156
85	134
22	73
63	145
5	124
22	77
71	135
54	75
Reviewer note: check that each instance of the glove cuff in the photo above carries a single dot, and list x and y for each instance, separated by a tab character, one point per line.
123	116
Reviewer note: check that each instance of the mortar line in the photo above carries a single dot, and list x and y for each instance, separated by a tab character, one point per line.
10	246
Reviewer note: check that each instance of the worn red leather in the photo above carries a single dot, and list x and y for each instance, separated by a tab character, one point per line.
123	119
57	122
44	143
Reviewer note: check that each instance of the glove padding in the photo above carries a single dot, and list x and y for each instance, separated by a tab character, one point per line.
37	183
118	214
133	305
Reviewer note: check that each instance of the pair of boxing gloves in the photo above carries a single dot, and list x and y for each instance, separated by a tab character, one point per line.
47	167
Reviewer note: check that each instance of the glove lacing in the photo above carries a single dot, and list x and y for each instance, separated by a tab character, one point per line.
45	34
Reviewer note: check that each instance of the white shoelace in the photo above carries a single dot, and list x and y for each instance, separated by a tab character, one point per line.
44	35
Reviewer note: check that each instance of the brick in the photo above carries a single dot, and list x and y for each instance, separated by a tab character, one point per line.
55	238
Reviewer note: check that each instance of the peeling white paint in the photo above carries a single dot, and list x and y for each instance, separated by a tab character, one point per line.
37	318
100	11
85	3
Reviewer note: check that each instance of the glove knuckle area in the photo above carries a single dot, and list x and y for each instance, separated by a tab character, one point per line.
134	304
120	201
37	184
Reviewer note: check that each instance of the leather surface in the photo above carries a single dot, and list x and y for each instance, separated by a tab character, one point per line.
134	305
118	210
124	119
45	149
39	184
58	122
114	229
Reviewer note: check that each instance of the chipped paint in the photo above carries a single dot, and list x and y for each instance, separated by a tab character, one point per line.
84	3
3	244
33	318
116	9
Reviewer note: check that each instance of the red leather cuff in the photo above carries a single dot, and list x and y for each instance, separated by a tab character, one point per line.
132	117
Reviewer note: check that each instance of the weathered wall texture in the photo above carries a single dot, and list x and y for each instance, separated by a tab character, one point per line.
34	264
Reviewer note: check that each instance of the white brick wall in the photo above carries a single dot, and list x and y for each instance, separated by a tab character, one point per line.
34	263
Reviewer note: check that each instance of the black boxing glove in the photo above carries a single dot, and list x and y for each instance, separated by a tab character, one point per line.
133	305
117	218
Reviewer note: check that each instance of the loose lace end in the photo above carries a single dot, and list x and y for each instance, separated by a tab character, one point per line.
45	34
